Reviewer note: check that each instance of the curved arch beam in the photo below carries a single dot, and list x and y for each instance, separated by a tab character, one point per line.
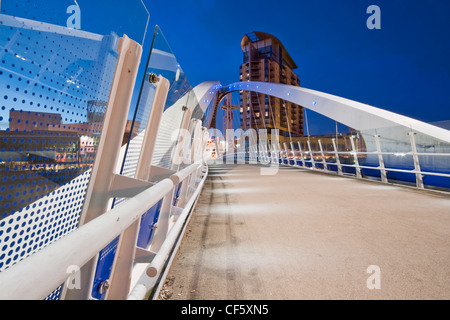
206	92
353	114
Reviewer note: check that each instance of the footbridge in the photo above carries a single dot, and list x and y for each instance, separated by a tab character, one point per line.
113	185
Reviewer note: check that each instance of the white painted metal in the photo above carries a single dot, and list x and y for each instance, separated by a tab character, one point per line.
151	272
311	154
286	152
355	157
338	160
292	151
324	163
153	124
380	160
301	153
183	141
120	278
353	114
34	278
113	130
97	198
419	178
206	92
79	247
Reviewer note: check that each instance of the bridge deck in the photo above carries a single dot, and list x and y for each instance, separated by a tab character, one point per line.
304	235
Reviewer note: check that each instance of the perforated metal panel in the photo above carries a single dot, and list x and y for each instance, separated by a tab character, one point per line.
49	75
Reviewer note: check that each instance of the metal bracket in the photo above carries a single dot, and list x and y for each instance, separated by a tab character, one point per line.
159	173
143	255
126	187
153	78
176	211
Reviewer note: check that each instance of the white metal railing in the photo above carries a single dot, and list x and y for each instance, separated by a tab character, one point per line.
360	117
313	157
36	277
319	160
70	262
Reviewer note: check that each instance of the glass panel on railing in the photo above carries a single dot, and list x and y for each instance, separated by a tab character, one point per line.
326	143
433	158
432	155
99	17
162	62
57	63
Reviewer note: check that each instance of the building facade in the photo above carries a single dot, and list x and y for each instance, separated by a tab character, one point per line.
265	59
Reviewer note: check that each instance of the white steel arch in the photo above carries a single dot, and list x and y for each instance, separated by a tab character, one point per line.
353	114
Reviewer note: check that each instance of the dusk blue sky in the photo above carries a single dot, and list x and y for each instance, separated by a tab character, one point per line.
404	67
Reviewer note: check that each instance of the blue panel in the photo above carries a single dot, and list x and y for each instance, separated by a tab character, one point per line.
104	267
176	193
439	182
148	220
332	167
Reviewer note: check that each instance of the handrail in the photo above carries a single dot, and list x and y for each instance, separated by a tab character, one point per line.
153	270
298	155
80	246
75	249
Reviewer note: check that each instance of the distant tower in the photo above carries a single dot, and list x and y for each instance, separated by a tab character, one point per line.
228	113
266	60
228	121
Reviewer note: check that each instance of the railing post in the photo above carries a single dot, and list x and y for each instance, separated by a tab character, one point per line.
285	152
301	154
380	159
163	222
323	156
97	199
355	155
274	146
263	153
196	141
338	160
229	146
419	178
123	263
292	151
313	162
183	142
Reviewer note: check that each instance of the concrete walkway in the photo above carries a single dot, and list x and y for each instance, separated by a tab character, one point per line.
304	235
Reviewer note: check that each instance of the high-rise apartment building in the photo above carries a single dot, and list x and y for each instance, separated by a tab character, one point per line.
266	60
